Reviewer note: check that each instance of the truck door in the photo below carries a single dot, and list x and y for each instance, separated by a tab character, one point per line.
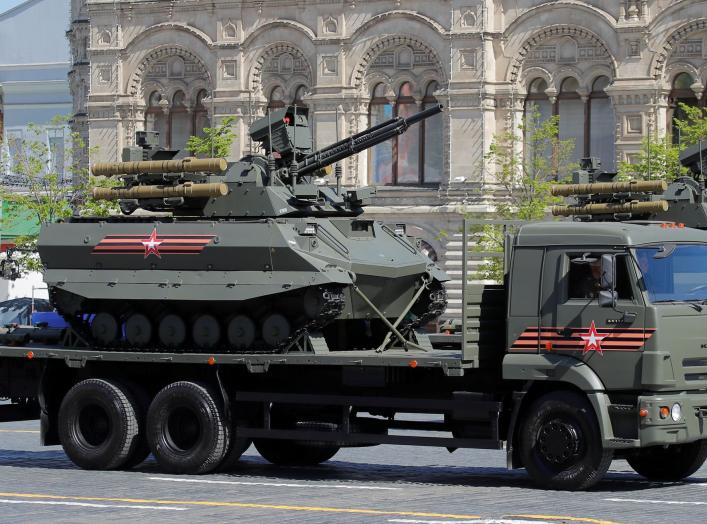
573	323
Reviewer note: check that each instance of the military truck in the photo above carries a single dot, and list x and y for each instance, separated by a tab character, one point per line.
593	348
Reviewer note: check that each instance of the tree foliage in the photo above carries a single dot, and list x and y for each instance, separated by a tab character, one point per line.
46	183
659	157
215	141
527	162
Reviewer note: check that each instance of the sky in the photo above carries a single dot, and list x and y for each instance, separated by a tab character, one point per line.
6	5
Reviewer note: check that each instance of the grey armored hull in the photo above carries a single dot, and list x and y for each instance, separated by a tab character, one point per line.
248	285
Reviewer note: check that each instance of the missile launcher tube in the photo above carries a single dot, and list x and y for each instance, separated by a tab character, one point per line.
184	165
188	190
635	207
634	186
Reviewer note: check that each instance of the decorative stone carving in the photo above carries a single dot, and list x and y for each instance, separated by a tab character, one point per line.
468	18
230	31
104	74
105	37
633	48
330	26
468	58
229	69
330	65
634	124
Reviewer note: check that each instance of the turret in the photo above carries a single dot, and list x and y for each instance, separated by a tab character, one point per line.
285	180
596	195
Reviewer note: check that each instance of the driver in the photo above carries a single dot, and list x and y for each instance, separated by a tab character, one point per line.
588	281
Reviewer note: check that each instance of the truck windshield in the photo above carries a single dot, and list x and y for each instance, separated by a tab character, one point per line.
674	273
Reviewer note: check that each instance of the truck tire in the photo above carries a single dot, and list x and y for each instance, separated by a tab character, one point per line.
99	424
142	403
294	452
560	443
186	429
236	447
671	463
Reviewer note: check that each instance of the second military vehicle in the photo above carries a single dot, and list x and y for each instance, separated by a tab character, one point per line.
252	256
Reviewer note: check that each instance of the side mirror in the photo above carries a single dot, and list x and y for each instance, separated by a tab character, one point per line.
608	272
607	298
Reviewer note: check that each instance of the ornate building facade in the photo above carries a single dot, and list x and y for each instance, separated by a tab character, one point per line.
611	69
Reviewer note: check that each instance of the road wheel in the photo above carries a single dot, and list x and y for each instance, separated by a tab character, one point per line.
186	429
99	424
669	463
560	443
236	447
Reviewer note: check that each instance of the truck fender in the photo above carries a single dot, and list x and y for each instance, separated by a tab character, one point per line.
544	373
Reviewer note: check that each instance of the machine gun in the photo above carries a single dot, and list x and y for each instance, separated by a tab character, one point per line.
596	195
277	183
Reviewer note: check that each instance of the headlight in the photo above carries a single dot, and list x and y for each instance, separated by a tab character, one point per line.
676	412
400	230
309	230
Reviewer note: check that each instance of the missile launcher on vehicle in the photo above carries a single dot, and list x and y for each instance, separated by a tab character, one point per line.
251	256
596	195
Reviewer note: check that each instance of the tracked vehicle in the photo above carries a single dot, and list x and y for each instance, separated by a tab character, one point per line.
252	256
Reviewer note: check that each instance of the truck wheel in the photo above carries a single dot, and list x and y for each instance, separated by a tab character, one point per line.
142	403
236	448
294	452
99	424
560	443
670	463
186	429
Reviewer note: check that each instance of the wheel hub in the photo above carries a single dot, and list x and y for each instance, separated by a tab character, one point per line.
558	441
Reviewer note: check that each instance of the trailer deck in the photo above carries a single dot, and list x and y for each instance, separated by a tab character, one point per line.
449	360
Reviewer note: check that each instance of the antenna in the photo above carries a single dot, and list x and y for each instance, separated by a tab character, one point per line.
271	158
293	165
337	167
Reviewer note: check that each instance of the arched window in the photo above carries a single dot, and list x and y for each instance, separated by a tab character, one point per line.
537	100
180	122
601	125
681	93
299	94
229	31
277	98
432	132
155	118
570	108
415	157
380	158
201	113
406	149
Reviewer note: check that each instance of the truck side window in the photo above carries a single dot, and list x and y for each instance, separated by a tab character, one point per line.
585	272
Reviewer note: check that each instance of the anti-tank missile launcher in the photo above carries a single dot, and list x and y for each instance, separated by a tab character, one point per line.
596	195
251	256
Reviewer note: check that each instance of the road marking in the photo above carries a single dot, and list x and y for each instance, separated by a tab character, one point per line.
481	521
564	517
273	484
89	505
651	501
215	503
19	431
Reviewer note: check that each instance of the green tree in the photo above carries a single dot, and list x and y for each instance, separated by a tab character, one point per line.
215	142
693	128
47	183
526	179
659	157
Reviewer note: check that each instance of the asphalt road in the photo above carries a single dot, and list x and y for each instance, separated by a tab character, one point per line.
385	484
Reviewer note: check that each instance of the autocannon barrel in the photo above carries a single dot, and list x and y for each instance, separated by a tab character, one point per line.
184	165
188	190
634	207
362	141
633	186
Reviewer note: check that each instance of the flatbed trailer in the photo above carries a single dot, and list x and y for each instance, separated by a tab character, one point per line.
563	383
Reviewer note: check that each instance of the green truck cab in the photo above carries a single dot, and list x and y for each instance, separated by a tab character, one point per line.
606	329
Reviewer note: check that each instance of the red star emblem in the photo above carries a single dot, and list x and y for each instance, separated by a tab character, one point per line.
151	244
592	340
